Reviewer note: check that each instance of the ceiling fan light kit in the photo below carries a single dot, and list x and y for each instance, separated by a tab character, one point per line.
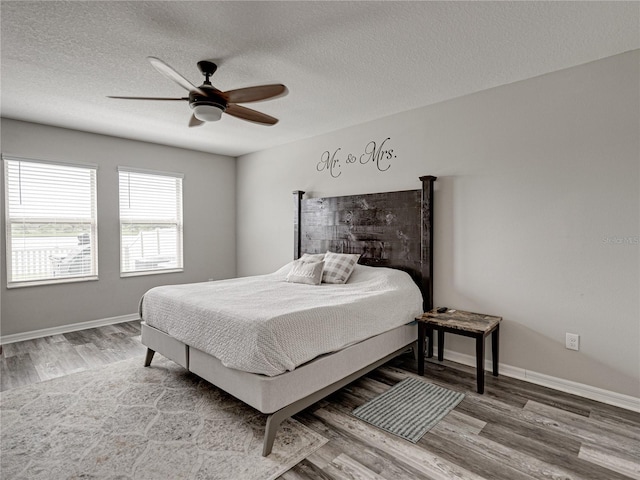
208	103
208	113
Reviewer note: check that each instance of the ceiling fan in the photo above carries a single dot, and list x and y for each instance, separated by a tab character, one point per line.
208	103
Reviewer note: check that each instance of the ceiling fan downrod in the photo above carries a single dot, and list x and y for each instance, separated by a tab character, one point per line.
208	69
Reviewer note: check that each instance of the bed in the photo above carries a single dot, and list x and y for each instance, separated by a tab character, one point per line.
291	365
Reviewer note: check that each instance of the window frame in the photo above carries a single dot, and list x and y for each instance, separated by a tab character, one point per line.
179	223
10	220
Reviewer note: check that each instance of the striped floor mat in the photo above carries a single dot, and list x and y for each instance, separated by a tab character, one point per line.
409	409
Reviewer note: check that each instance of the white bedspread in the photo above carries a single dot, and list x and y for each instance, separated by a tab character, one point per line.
263	324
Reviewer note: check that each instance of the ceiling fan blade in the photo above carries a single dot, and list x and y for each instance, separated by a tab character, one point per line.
194	122
148	98
171	74
250	115
255	94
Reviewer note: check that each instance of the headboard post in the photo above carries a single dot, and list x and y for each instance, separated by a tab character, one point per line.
426	259
297	238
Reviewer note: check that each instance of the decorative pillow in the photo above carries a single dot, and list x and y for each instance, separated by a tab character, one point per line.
338	267
306	272
312	257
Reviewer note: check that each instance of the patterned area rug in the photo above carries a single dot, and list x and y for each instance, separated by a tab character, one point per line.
409	409
125	421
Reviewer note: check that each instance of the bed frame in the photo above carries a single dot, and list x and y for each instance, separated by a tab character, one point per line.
392	229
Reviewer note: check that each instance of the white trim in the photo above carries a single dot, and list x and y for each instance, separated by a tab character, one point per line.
73	327
14	158
149	172
137	273
51	281
582	390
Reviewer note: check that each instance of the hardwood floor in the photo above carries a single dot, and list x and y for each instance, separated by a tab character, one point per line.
49	357
516	430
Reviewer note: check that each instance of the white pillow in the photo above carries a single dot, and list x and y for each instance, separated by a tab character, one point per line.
312	257
338	267
309	273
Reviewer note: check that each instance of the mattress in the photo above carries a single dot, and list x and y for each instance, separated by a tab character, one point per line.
265	325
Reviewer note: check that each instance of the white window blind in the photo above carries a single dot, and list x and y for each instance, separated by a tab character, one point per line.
51	222
150	222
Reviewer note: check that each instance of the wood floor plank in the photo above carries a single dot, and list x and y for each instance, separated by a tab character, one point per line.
625	464
511	387
497	452
465	422
130	328
516	419
586	429
92	355
294	474
57	338
17	348
373	386
385	465
590	422
19	371
537	447
344	467
83	336
125	346
59	359
430	465
49	370
472	460
307	470
4	375
617	417
324	455
379	461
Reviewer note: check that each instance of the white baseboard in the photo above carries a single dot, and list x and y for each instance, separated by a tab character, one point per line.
582	390
73	327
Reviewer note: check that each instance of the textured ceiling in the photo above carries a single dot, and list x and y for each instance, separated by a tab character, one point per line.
344	63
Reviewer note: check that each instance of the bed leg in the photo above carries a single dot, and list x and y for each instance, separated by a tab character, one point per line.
273	423
414	347
149	357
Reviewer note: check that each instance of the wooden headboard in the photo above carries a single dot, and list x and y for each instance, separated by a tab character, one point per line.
391	229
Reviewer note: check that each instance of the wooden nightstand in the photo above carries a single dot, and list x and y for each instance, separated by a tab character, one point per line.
469	324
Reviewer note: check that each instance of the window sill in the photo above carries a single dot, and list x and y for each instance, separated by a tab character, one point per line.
150	272
57	281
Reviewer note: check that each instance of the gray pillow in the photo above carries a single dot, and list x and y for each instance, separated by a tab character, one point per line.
312	257
338	267
309	273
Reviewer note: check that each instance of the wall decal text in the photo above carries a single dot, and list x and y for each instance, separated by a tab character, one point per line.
376	154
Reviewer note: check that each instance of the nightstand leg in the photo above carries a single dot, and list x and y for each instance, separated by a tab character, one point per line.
421	335
440	344
430	340
480	363
495	337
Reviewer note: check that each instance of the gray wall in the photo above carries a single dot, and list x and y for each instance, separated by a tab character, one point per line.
209	225
537	211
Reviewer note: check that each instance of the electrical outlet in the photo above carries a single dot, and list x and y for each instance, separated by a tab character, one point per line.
572	341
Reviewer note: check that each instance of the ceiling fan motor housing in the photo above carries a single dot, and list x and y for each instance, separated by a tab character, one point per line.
213	98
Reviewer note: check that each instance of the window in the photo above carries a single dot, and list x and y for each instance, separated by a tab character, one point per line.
150	222
51	222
